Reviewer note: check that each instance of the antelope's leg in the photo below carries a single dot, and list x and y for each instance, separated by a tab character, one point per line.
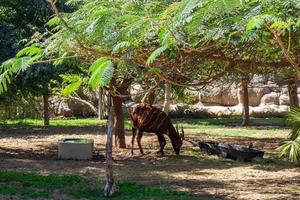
162	143
132	139
139	138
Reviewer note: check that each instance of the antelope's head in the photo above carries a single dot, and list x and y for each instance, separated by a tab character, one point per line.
178	142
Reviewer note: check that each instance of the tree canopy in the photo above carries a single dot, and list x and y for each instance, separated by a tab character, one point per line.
187	43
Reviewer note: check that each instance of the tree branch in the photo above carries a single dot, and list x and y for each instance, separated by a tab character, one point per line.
149	92
91	106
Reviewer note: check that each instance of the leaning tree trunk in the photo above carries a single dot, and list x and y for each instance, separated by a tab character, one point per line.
293	94
110	187
46	110
245	99
119	122
167	100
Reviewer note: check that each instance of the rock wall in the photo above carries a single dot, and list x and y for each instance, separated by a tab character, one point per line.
199	111
224	100
231	95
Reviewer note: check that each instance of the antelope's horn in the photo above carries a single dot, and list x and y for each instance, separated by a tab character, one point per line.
177	128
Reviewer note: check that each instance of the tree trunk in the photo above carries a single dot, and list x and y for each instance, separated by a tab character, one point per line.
100	104
245	100
121	89
46	110
167	101
293	94
110	187
119	123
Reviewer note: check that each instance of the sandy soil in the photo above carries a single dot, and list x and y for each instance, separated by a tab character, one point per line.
208	177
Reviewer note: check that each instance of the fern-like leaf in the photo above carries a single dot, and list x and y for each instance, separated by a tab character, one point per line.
291	146
156	54
4	78
29	51
73	84
120	46
102	71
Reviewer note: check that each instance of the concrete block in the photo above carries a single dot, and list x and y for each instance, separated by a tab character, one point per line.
77	149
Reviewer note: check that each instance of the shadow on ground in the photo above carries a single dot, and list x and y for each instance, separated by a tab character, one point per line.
206	177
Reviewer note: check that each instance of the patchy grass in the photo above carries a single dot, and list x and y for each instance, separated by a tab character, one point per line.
54	122
30	186
259	127
193	172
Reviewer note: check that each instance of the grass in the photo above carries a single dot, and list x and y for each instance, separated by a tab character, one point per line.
259	127
31	186
266	127
54	122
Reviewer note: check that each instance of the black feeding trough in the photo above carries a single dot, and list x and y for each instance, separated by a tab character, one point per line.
230	151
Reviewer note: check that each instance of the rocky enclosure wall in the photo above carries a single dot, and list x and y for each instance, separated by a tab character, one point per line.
226	100
231	95
268	99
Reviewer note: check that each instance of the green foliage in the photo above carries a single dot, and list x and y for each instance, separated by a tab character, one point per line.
102	71
7	69
155	54
54	122
73	83
202	38
54	21
29	51
121	46
155	70
21	62
291	147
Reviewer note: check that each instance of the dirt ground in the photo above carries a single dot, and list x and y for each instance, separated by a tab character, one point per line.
207	177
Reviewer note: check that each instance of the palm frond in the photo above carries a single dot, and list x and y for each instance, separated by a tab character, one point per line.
291	146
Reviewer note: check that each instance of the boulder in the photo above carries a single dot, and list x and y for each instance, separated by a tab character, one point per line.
221	95
283	109
255	95
238	110
79	109
270	99
193	96
137	92
179	110
60	107
284	100
284	90
221	111
269	110
214	111
195	111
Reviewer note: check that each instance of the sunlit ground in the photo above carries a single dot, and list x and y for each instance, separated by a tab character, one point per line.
30	148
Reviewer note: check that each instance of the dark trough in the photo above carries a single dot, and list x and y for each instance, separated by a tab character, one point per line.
230	151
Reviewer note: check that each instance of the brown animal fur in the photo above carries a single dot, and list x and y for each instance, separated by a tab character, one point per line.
146	118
